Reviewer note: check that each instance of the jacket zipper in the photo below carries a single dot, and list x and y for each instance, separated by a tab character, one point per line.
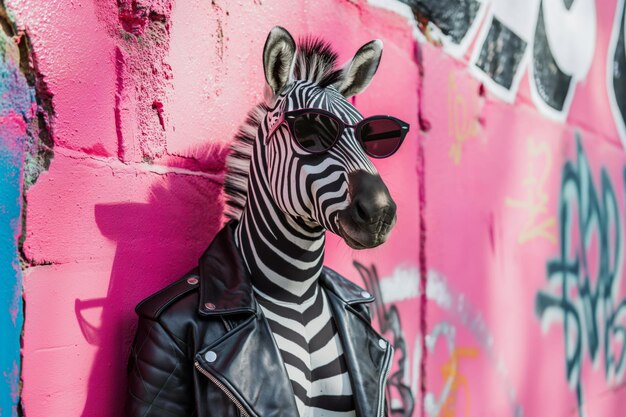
225	390
381	384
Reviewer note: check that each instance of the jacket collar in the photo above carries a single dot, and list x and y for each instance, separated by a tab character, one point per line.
226	288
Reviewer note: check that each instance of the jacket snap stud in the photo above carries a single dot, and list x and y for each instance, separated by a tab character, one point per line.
382	344
210	356
365	294
192	281
210	306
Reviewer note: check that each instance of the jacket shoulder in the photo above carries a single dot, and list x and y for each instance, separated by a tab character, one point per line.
154	305
351	294
345	289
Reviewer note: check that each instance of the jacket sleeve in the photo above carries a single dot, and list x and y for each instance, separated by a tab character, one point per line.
160	377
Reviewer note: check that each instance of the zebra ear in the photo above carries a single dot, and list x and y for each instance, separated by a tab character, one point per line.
278	58
358	73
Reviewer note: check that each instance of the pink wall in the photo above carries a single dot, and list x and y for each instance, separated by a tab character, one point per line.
146	96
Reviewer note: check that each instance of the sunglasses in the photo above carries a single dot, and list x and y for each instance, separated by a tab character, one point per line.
316	131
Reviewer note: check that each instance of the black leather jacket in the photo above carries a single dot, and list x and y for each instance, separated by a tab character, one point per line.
204	348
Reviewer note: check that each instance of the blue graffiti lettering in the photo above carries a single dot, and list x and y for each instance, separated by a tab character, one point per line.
584	279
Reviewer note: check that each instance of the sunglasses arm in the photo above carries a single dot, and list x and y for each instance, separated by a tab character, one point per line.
274	128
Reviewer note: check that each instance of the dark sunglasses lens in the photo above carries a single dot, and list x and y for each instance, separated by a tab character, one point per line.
381	137
315	132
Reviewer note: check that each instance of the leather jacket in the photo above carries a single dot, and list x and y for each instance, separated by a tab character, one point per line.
204	348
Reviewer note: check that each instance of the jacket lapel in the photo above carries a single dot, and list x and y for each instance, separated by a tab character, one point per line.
247	361
225	286
368	355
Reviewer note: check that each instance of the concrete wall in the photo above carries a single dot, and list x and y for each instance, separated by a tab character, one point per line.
510	189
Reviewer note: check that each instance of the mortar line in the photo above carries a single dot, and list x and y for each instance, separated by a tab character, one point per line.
113	162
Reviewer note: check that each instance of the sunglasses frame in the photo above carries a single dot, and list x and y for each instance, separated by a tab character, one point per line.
290	116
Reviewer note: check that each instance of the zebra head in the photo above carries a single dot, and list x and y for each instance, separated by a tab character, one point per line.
337	190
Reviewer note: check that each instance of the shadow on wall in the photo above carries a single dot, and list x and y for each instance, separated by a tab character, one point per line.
157	242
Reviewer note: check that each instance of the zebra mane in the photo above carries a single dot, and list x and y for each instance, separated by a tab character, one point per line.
238	162
315	61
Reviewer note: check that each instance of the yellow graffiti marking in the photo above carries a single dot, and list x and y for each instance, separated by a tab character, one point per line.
461	125
536	202
450	372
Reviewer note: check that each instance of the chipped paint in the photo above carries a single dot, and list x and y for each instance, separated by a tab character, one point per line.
16	99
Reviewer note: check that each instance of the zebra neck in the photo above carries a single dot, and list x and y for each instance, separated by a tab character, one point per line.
284	257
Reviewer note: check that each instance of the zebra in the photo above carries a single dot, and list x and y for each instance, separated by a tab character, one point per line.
284	198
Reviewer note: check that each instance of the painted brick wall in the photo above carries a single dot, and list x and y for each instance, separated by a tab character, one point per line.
115	119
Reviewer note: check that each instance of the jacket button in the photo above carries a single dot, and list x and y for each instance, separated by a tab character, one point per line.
210	306
192	281
365	294
382	344
210	356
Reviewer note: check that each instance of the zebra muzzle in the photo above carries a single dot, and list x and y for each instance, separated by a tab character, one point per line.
371	214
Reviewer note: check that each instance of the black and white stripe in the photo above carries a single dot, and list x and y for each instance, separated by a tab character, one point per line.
284	200
306	336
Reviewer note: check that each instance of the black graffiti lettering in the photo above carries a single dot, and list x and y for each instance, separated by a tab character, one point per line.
585	277
552	84
501	54
618	72
452	17
389	322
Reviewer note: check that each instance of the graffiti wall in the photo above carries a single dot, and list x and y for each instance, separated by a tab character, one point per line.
524	204
502	285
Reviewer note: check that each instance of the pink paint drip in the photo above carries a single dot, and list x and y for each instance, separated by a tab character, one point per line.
158	106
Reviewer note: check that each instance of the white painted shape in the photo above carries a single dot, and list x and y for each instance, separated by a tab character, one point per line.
403	10
571	35
403	284
518	16
437	290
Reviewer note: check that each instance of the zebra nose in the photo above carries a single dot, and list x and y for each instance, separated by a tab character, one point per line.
371	201
368	210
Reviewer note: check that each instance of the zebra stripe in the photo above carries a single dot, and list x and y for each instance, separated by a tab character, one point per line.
285	199
306	336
